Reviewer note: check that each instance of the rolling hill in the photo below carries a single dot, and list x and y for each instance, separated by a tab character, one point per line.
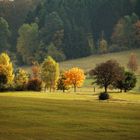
90	62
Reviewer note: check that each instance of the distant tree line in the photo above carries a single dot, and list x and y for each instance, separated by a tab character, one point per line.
31	30
47	76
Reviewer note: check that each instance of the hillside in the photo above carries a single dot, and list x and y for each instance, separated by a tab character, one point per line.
31	30
88	63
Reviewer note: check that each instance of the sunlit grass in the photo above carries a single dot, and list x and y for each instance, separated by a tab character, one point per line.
90	62
39	116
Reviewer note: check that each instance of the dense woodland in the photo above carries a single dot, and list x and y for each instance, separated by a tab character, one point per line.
31	30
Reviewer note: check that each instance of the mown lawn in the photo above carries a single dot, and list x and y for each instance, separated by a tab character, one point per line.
44	116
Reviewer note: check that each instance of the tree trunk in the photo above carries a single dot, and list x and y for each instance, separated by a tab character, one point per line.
50	89
105	89
63	90
74	88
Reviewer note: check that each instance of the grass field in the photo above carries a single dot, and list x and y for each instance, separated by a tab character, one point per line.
73	116
90	62
41	116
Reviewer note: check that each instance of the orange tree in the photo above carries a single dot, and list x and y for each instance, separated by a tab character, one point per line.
74	77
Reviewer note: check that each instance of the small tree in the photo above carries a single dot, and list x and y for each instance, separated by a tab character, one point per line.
61	85
21	79
3	80
35	70
129	81
107	73
132	64
50	73
74	77
34	84
103	45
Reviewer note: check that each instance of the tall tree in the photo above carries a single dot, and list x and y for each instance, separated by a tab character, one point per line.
4	34
28	43
50	73
137	34
132	64
6	67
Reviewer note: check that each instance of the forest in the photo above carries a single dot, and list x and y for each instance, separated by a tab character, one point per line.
31	30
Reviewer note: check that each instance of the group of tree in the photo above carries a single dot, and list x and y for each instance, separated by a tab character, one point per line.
44	76
110	73
34	29
47	76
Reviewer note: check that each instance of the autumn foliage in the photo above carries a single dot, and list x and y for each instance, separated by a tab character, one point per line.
74	77
132	64
6	67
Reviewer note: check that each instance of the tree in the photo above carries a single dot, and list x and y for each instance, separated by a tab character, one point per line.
21	79
124	33
53	30
50	73
4	34
132	64
35	70
74	77
6	67
103	45
55	53
3	80
61	85
137	34
28	42
34	84
128	82
107	73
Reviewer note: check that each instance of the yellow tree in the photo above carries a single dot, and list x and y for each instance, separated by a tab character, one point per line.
6	67
21	78
50	73
74	77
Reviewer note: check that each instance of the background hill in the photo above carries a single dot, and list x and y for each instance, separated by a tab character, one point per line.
67	29
88	63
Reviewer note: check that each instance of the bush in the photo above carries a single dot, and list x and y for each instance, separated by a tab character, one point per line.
104	96
34	84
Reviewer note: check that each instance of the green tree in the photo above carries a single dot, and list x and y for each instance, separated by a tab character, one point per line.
55	53
3	80
50	73
53	30
61	83
28	42
128	82
4	34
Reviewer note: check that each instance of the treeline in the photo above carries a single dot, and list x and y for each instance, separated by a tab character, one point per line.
68	29
48	77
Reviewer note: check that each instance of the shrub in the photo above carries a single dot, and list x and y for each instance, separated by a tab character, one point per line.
34	84
104	96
